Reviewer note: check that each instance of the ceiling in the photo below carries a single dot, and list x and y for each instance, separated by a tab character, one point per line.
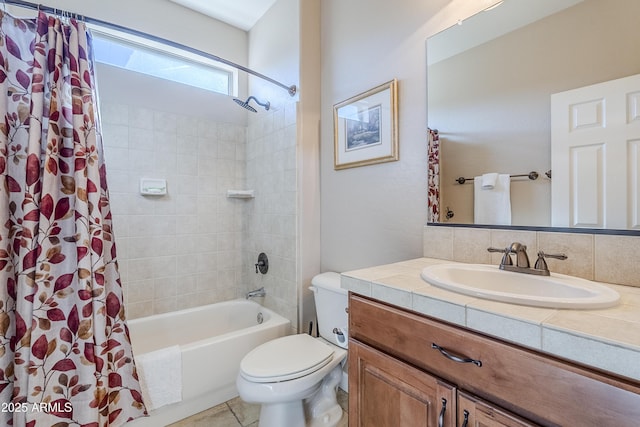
239	13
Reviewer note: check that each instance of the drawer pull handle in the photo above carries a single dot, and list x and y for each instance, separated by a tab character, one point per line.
454	357
466	418
442	411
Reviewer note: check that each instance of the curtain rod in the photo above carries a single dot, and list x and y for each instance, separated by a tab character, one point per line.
291	89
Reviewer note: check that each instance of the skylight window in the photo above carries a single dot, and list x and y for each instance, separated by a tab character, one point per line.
163	63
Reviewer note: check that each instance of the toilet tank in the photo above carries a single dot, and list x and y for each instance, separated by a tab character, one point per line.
331	307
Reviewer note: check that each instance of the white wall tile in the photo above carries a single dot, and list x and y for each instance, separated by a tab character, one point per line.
140	117
270	222
168	250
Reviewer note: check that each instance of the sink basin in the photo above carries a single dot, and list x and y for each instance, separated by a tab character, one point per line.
489	282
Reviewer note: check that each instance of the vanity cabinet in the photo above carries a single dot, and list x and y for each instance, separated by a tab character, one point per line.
402	364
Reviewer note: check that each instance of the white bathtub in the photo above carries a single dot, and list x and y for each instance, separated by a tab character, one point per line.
213	339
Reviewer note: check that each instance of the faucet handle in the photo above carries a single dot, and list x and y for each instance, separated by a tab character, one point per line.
506	258
541	264
502	251
262	265
554	256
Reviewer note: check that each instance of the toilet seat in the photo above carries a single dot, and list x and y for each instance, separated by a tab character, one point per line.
285	358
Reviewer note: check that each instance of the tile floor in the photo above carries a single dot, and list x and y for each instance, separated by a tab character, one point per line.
236	413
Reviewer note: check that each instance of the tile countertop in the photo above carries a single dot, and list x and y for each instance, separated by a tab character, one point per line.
608	339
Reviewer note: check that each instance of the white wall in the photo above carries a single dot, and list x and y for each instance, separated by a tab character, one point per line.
308	157
274	50
373	214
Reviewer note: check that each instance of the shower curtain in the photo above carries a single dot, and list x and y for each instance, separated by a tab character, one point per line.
433	177
65	354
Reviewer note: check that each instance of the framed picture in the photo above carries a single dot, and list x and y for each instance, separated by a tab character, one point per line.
366	128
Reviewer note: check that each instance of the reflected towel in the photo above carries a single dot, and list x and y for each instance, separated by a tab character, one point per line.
160	374
492	206
489	181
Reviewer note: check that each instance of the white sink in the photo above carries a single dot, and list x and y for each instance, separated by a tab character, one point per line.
489	282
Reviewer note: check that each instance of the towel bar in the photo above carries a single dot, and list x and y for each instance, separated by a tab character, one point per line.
531	175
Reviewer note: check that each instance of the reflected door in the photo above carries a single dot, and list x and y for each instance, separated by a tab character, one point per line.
595	155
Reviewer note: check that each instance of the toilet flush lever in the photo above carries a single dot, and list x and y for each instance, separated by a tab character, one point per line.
340	337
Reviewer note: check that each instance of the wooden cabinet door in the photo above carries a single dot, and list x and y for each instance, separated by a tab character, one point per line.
385	392
475	412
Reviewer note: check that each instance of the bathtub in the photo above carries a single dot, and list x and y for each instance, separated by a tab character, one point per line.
213	339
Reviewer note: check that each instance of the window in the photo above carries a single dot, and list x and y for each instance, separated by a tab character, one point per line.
164	62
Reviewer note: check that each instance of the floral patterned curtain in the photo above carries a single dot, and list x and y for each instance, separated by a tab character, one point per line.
65	354
433	179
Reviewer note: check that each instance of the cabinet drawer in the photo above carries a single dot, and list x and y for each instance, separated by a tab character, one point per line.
474	412
539	387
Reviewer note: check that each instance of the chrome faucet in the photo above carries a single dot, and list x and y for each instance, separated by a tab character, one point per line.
522	260
257	293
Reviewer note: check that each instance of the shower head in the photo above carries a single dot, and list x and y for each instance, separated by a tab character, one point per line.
245	104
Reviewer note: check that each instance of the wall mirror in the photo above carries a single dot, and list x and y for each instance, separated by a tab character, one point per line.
490	80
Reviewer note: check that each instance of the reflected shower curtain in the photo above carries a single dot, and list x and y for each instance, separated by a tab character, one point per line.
433	177
65	354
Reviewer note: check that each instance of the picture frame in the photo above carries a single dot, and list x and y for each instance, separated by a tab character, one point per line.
366	128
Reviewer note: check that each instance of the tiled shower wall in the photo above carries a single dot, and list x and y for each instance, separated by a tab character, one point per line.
183	249
271	218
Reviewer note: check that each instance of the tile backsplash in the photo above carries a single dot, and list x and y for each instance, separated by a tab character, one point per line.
599	257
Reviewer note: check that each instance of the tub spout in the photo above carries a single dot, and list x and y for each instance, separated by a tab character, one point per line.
257	293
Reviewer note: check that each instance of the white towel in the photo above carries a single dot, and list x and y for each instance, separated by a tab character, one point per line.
160	374
492	206
489	181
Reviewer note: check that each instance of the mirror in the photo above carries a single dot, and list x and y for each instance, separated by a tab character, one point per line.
490	80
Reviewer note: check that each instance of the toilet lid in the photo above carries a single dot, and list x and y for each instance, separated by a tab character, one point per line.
285	358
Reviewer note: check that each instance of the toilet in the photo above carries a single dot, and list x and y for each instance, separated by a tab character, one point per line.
295	378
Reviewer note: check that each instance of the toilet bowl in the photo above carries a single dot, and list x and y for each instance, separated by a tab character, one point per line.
295	378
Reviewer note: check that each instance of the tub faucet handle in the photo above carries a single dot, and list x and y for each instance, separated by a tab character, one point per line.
262	265
259	264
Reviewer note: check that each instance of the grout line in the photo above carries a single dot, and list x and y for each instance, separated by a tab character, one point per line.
240	424
233	413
